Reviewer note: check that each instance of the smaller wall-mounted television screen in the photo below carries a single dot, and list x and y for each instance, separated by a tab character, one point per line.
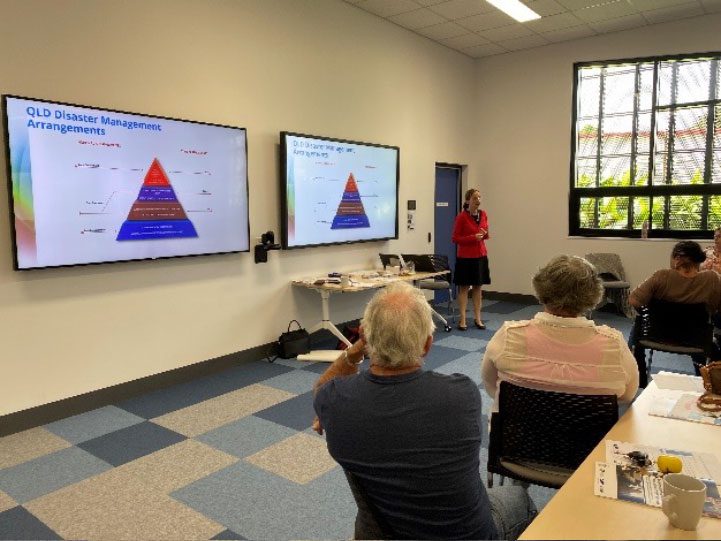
93	185
336	192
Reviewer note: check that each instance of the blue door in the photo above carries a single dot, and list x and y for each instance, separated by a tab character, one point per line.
447	201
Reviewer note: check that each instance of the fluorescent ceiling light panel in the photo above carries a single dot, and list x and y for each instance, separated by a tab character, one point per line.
515	9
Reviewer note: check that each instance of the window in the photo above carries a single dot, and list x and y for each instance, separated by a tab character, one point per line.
646	150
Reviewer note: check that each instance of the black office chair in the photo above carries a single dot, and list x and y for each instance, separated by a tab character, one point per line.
541	437
435	263
390	260
672	327
369	523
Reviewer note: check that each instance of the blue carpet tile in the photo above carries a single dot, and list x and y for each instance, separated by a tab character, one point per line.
252	470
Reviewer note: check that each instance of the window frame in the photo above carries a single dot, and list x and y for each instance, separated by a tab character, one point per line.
706	189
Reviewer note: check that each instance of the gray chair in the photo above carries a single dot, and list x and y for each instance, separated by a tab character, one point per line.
615	286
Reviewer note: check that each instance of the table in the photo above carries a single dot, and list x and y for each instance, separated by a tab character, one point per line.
358	283
575	513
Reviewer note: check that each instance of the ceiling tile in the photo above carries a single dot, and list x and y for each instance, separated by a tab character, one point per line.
620	23
386	8
506	32
484	50
711	6
578	4
554	22
485	21
457	9
673	13
527	42
442	31
426	3
567	34
417	18
546	8
464	41
601	12
656	4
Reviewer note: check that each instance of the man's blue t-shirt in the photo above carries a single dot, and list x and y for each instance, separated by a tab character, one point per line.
412	441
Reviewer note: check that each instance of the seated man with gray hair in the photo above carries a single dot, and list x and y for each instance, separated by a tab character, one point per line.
410	439
559	349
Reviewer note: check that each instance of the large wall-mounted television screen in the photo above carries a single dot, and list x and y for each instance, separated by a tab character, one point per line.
93	185
335	191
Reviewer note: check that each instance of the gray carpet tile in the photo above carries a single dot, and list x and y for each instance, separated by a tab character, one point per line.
296	413
130	443
246	436
228	534
49	473
93	424
172	398
316	368
458	341
19	523
296	381
469	364
504	307
322	509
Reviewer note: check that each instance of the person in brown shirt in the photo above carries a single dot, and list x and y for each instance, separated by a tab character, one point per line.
684	283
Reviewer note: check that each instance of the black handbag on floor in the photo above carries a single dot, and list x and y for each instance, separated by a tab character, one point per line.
293	343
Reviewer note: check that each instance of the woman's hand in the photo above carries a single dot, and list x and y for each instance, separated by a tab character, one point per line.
481	234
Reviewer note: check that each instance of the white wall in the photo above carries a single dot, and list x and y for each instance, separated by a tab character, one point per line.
523	121
314	66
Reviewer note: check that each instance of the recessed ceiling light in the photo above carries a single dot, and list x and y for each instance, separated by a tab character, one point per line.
515	9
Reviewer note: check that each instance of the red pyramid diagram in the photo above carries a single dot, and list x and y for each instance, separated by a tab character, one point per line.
350	213
156	213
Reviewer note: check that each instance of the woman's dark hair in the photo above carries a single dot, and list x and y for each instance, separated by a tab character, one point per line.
689	251
467	198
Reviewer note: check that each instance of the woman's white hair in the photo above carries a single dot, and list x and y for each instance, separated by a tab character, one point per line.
568	284
396	324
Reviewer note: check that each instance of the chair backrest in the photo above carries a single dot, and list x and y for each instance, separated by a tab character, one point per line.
390	260
369	524
677	323
429	262
608	265
555	429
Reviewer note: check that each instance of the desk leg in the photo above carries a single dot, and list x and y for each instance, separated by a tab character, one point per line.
327	355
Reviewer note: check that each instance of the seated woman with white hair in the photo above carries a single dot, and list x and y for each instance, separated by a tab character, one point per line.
559	349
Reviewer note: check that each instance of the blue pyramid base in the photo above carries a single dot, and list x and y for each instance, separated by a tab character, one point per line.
156	229
350	221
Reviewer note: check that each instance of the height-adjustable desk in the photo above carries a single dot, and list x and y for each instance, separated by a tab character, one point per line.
358	283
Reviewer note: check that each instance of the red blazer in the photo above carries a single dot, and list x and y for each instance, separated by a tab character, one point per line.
464	235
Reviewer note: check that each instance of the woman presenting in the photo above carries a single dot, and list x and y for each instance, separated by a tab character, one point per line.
469	232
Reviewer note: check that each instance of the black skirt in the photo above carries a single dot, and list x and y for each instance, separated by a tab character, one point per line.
472	271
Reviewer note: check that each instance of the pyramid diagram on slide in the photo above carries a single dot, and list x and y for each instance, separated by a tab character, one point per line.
156	213
350	211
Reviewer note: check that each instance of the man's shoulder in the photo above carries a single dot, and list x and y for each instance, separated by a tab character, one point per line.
452	384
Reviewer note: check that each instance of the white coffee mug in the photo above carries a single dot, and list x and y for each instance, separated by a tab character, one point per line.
683	499
344	280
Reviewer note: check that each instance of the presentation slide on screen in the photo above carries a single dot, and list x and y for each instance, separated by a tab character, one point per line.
93	186
339	192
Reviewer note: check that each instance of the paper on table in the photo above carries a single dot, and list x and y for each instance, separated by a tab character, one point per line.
678	382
